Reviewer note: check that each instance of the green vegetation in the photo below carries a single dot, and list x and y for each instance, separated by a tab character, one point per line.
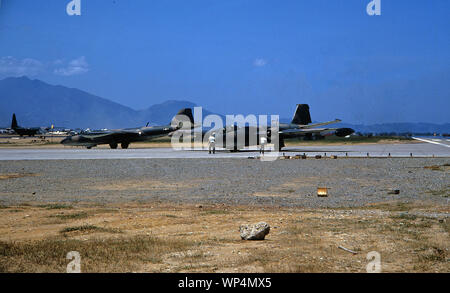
215	212
75	216
55	206
88	229
171	216
351	139
404	216
442	192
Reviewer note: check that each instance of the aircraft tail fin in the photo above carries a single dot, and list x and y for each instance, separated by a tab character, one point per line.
184	116
301	115
14	122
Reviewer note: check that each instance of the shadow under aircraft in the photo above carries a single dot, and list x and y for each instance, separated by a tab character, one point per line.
299	127
128	135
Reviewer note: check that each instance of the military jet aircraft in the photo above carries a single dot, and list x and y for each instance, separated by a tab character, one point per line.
30	131
299	127
127	135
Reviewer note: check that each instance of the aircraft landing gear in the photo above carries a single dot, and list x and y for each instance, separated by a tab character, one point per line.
124	145
113	145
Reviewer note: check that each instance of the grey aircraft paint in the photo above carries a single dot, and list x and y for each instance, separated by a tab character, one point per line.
128	135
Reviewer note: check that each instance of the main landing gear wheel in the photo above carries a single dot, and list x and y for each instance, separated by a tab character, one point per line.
124	145
113	145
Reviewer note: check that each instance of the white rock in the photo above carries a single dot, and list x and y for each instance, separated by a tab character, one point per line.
254	232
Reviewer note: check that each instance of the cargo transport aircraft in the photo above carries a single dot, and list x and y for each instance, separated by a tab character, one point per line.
30	131
128	135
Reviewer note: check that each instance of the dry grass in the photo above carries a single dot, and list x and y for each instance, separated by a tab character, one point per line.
97	255
444	167
16	175
185	238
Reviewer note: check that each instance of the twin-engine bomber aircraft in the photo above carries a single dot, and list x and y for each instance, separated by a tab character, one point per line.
127	135
299	127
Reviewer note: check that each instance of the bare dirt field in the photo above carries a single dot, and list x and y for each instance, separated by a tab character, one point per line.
157	237
183	215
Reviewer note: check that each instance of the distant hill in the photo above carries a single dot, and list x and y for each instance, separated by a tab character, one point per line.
37	103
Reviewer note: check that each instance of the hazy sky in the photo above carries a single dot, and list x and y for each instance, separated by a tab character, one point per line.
241	56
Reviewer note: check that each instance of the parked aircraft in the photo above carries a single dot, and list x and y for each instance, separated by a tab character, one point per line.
128	135
299	127
30	131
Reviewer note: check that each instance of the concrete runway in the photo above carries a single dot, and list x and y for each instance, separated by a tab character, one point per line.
374	150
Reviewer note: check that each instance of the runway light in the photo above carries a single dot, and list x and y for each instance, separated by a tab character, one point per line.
322	191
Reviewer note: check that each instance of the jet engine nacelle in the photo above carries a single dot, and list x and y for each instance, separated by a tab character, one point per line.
342	132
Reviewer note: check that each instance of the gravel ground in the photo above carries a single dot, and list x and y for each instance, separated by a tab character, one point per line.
353	182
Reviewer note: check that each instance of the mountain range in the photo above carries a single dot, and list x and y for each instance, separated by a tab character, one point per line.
37	103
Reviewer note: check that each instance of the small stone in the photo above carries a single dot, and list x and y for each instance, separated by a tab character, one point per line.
395	191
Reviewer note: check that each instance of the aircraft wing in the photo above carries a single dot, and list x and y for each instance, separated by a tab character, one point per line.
114	134
300	132
341	132
319	124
